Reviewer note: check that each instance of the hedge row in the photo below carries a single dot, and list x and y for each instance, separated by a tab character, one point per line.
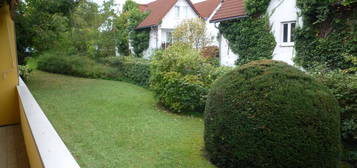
75	65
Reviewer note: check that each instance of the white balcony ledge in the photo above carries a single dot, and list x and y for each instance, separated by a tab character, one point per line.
52	152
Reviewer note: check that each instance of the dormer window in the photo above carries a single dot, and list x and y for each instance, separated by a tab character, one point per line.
177	11
288	29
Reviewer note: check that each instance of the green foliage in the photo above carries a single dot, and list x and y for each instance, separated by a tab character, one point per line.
269	114
132	69
24	72
249	37
136	70
82	66
39	25
212	54
140	41
344	88
329	34
139	38
193	32
256	7
107	42
122	35
181	77
84	34
127	33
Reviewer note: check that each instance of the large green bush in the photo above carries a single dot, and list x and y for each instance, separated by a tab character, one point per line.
268	114
181	77
82	66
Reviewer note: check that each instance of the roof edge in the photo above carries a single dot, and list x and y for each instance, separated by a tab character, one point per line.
229	18
144	27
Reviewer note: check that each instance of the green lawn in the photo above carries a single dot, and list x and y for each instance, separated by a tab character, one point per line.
116	124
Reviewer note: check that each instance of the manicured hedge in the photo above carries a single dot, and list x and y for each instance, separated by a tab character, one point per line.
134	70
268	114
75	65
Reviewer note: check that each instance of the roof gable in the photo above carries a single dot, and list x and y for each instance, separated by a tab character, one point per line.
207	7
230	9
158	10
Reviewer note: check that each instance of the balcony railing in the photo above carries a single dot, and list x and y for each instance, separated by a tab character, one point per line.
44	146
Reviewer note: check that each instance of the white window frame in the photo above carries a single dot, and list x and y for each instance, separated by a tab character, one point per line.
169	34
289	35
185	11
177	11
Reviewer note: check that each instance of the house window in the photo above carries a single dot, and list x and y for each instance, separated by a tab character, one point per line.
288	29
168	37
177	11
185	11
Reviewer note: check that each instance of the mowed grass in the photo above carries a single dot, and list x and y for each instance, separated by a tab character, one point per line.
116	124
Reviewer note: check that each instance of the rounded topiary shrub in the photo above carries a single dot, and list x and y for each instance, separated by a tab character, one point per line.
267	114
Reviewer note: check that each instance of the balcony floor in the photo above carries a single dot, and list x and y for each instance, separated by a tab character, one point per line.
12	148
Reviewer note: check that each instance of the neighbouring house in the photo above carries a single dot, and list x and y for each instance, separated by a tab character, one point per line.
164	17
283	18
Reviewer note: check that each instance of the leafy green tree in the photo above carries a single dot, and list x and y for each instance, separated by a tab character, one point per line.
127	33
107	38
122	34
84	32
192	32
39	25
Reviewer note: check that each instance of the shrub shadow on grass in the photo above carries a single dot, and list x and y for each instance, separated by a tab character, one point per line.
193	114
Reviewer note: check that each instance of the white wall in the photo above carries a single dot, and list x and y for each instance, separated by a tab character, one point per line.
227	57
283	11
153	43
170	21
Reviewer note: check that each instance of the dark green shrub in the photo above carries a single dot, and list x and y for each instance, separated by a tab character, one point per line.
344	87
268	114
81	66
133	70
181	77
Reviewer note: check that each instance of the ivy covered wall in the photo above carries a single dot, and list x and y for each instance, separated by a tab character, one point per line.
329	34
250	37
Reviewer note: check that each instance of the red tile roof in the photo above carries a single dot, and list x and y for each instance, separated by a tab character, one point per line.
230	9
158	9
206	8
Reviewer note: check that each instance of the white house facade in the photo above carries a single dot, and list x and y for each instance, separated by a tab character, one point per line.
165	16
283	18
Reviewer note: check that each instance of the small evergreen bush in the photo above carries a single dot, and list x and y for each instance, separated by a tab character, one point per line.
268	114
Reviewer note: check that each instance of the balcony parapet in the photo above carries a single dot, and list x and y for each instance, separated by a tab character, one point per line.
44	146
